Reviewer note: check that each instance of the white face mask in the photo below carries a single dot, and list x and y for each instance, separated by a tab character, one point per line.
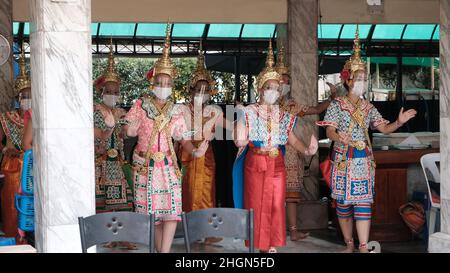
285	89
271	96
201	98
162	92
358	88
25	104
110	100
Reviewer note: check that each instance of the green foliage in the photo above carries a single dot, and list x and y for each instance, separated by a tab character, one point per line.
185	68
224	85
132	72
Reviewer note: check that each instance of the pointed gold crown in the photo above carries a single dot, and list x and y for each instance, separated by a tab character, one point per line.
355	63
269	72
22	80
201	73
110	73
165	64
281	66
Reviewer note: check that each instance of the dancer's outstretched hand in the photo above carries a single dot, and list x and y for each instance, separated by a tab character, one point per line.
133	127
403	117
109	120
201	150
313	146
333	90
138	161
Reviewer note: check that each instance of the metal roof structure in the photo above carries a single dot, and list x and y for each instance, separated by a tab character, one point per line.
133	39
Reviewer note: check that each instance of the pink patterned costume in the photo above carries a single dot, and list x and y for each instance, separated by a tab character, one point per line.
158	191
355	182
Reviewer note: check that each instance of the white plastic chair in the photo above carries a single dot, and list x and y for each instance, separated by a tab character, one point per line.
374	247
428	162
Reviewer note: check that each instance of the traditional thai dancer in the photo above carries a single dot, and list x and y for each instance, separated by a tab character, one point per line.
293	160
353	173
203	118
155	120
12	127
113	192
259	173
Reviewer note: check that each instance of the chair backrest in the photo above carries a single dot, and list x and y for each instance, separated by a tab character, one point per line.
430	168
116	226
218	222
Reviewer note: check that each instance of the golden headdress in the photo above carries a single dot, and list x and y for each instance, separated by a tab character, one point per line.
165	64
269	72
201	73
355	63
23	80
281	66
110	74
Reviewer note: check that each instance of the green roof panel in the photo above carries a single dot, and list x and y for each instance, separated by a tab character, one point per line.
94	28
224	30
418	32
117	29
151	30
348	32
328	31
334	53
258	31
436	34
26	29
388	32
188	30
15	28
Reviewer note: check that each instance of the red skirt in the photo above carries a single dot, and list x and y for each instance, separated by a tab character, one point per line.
264	192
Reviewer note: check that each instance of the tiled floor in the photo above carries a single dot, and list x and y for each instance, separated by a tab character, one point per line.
320	241
228	245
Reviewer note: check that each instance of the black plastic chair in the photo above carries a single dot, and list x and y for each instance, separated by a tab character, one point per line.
218	222
115	227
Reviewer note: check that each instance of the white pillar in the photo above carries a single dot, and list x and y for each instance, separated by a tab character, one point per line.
440	241
63	140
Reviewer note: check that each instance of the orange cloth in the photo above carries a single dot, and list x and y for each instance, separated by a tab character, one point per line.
198	190
12	169
264	192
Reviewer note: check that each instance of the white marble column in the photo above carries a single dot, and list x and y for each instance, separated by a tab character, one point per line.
302	51
62	102
6	70
440	242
